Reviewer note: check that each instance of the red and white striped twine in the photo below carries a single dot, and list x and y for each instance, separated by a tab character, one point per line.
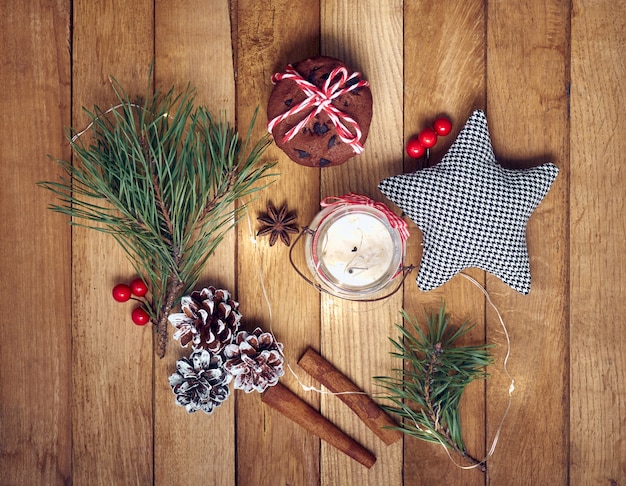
320	99
353	198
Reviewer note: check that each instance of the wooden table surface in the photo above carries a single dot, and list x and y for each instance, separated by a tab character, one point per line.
84	399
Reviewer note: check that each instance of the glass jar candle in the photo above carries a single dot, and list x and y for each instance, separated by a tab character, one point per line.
355	247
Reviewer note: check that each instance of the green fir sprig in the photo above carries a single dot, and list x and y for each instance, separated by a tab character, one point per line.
162	177
427	391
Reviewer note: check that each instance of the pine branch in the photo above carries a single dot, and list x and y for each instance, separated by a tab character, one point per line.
162	177
427	391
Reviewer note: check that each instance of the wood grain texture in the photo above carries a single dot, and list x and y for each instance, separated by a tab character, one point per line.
83	400
112	358
444	73
370	413
35	360
598	248
290	405
272	449
181	438
527	111
354	335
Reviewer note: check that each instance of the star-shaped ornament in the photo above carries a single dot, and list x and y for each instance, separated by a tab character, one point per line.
472	211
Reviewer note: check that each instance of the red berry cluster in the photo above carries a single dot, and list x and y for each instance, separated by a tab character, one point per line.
137	288
427	138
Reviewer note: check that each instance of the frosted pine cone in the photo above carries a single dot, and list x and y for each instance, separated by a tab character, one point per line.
200	382
255	360
209	320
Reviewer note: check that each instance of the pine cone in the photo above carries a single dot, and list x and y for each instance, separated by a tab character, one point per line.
209	320
200	382
255	360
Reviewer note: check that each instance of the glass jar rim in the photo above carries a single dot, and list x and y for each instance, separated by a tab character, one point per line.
319	227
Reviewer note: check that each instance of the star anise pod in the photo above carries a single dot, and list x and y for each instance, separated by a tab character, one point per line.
278	224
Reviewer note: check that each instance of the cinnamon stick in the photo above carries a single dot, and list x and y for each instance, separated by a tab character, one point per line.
362	404
289	404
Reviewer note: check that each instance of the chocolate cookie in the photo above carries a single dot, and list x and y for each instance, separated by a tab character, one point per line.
308	128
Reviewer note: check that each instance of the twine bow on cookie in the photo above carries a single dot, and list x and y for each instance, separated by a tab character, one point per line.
321	100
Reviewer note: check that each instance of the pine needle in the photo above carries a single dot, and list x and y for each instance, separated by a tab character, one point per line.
426	392
162	177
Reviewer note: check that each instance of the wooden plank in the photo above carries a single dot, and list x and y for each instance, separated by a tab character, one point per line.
111	358
354	335
184	441
446	77
111	398
270	448
35	433
598	249
527	110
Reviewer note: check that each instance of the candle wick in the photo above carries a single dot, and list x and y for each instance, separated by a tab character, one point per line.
354	249
352	269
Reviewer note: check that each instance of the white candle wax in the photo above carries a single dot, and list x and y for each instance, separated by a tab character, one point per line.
357	250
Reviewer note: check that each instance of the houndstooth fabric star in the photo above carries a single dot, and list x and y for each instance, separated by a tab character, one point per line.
472	211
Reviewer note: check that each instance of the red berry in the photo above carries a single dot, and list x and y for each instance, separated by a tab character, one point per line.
140	316
427	137
121	292
442	126
414	148
138	287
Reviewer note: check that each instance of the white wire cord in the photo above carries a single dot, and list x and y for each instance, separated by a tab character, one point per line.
505	361
496	437
326	392
304	386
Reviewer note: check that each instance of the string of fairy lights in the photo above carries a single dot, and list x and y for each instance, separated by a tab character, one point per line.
309	388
